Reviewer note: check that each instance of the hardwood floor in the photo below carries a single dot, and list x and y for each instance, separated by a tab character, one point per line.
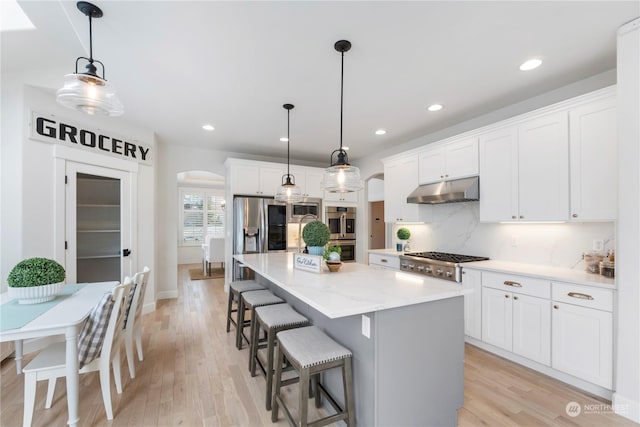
193	375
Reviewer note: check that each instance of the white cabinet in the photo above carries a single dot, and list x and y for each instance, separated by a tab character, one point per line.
400	179
390	262
593	154
342	198
250	179
453	160
313	184
517	319
583	333
524	171
471	279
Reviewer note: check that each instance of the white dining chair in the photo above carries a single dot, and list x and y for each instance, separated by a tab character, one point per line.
133	318
98	348
214	252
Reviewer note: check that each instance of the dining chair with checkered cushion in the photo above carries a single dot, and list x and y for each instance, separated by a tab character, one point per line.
133	318
98	348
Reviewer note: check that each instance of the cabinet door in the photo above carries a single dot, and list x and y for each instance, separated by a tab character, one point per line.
593	148
246	180
314	185
582	343
497	327
350	198
471	279
498	175
532	328
431	166
461	158
543	169
400	179
271	180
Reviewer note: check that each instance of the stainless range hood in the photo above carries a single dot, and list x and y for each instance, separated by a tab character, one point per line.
459	190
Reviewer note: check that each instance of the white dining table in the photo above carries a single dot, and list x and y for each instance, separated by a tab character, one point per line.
66	319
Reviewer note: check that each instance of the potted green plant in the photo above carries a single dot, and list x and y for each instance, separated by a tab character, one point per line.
315	235
35	280
402	234
332	258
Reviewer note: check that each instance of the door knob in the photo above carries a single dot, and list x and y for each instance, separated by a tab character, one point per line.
126	252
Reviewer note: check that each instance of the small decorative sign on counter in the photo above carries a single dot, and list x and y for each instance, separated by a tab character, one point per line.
308	262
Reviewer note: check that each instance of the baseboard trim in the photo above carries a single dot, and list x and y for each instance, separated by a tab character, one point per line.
149	308
626	407
167	295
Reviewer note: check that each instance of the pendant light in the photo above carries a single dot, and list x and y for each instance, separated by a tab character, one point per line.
88	91
288	192
341	177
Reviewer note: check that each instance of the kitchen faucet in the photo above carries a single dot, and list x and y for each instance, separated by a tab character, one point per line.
300	229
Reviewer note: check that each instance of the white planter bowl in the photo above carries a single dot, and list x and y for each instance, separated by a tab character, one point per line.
35	294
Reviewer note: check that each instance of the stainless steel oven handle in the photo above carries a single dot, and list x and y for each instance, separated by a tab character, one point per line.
343	225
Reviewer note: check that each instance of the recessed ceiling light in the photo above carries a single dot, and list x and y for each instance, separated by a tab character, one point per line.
284	139
530	64
208	127
381	132
345	148
434	107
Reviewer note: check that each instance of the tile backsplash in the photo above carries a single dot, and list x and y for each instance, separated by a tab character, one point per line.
456	228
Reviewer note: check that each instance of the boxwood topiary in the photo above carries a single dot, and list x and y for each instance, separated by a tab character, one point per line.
35	272
403	233
315	233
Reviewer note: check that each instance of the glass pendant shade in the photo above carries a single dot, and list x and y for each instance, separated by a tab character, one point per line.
89	94
289	192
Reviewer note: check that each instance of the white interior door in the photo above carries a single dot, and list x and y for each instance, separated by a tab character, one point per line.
98	215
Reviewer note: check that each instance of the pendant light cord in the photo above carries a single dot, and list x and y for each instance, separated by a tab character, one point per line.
288	142
341	96
90	41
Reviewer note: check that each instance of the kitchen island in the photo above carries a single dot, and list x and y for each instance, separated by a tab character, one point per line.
406	333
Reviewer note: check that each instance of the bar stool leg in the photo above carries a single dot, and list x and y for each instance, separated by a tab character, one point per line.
303	404
318	396
239	322
276	391
229	307
254	341
271	340
347	381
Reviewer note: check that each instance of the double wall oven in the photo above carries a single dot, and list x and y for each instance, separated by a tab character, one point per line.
342	226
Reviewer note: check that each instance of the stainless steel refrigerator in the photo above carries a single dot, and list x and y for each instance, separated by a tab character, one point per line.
259	225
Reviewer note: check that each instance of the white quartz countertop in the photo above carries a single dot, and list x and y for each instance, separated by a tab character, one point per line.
355	289
556	274
389	252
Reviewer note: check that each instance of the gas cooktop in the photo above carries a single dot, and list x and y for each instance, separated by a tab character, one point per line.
446	257
437	264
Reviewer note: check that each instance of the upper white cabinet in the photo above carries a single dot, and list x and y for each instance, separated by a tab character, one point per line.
453	160
524	171
250	179
400	179
349	198
309	180
593	151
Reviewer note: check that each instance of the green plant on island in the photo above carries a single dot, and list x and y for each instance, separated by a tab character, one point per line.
35	272
403	233
332	249
316	233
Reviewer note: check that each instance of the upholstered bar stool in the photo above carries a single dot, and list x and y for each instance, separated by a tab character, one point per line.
235	289
250	300
311	352
272	319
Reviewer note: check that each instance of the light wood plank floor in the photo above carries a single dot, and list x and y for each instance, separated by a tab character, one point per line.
192	375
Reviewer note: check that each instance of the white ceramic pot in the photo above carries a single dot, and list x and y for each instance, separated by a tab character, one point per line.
35	294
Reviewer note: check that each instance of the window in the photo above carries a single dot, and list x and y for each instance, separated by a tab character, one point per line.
202	214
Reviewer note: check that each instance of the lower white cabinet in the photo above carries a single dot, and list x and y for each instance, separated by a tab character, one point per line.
472	279
389	262
583	335
518	323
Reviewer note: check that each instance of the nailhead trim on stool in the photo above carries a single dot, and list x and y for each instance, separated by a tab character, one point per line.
249	301
310	352
273	319
235	289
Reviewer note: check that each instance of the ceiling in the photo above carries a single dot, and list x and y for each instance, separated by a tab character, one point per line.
178	65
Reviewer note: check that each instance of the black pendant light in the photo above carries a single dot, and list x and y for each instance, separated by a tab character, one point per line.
89	92
341	177
288	192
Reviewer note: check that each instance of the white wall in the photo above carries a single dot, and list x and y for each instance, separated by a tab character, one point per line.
29	200
375	190
627	379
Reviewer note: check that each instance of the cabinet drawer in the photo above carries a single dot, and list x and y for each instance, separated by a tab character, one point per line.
518	284
585	296
385	261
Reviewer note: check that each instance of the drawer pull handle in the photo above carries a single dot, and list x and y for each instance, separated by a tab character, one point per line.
579	295
556	306
383	260
514	284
